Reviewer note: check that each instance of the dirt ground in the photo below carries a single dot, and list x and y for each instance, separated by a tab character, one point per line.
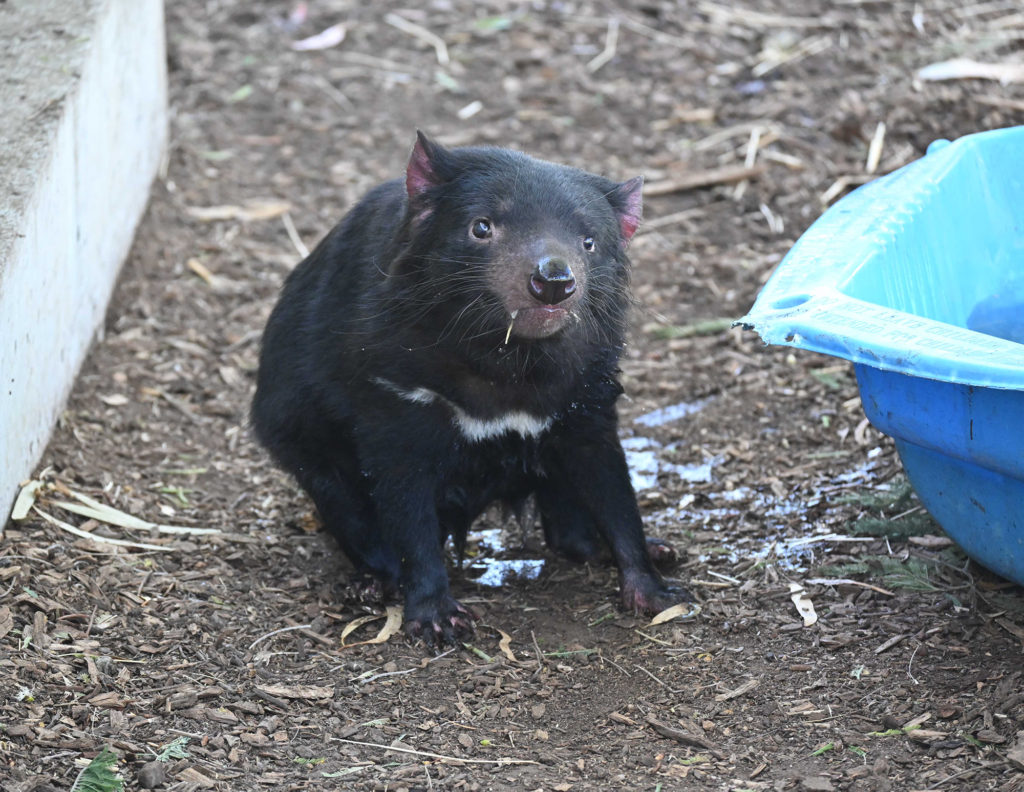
217	661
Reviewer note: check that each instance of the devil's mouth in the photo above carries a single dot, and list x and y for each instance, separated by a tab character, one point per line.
538	321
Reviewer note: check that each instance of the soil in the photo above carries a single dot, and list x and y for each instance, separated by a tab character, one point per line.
223	662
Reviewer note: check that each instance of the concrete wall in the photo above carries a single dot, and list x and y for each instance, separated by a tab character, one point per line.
83	127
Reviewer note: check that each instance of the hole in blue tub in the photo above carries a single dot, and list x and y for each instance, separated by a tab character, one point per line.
792	301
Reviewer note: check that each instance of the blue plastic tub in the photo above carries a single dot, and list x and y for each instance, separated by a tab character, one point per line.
918	278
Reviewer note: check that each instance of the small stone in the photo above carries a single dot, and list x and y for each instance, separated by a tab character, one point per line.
152	775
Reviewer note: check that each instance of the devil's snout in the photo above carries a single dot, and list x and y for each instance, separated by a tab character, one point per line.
552	280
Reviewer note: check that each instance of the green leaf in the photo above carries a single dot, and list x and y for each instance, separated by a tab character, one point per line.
493	23
99	775
175	749
241	94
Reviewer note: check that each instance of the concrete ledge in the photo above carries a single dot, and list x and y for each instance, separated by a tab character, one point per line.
83	124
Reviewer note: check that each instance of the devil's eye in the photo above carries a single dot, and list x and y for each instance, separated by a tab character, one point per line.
481	228
588	244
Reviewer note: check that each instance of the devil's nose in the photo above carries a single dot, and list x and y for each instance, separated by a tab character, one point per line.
552	281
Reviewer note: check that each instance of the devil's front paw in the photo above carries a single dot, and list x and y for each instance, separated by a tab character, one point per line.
438	621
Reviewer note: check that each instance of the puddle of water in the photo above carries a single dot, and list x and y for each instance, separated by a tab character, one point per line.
643	455
791	553
694	474
671	413
495	572
642	458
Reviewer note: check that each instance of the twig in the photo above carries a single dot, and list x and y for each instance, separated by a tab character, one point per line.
540	654
890	643
420	32
180	406
875	148
652	676
807	47
614	664
325	86
775	223
840	184
361	681
758	20
611	41
910	664
706	178
665	39
965	773
1001	102
275	632
791	162
849	582
293	235
684	737
753	143
727	134
442	757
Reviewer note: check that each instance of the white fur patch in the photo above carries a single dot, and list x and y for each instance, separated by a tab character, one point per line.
477	429
474	429
416	395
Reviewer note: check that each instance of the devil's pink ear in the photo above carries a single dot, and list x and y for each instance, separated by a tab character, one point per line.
627	200
423	171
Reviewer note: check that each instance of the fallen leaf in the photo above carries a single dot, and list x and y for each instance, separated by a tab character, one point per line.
355	624
96	510
930	541
114	400
803	604
968	69
241	94
329	37
298	691
254	210
505	645
264	210
682	610
392	625
26	499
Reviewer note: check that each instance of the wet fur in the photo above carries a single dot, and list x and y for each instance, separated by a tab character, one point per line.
396	324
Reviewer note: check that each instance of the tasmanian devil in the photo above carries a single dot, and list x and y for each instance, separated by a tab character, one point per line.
454	342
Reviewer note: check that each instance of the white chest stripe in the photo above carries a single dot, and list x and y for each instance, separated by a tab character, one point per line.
474	429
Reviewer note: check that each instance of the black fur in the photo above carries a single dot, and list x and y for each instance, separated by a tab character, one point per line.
397	327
